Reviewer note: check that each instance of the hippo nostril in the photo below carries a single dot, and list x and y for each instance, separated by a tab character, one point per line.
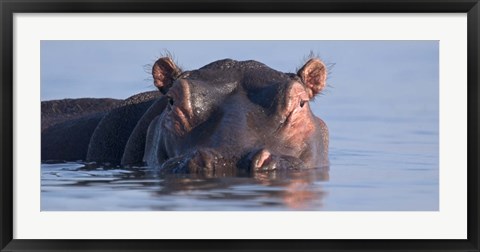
262	160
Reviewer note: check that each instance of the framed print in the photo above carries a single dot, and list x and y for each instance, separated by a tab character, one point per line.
265	126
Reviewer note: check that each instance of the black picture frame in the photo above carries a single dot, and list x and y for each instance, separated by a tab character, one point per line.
10	7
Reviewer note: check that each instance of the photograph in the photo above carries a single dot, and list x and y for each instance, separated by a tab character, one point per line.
239	125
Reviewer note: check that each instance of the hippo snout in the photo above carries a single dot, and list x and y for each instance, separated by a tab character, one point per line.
200	161
209	161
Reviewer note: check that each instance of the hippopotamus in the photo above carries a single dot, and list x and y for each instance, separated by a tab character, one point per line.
228	115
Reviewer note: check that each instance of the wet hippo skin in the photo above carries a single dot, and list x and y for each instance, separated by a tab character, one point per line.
225	117
242	114
68	124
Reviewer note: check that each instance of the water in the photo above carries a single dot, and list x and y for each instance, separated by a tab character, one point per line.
74	186
382	158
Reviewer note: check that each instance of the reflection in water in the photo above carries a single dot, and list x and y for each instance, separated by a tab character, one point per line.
73	183
291	188
298	191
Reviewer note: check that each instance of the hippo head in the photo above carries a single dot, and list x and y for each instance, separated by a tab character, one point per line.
239	115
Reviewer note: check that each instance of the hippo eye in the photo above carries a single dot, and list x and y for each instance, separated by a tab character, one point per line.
170	100
302	103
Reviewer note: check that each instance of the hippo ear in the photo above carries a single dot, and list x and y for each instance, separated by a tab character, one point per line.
314	76
164	73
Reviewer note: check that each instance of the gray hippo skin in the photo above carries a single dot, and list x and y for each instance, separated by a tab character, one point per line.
68	124
225	117
239	114
110	137
92	129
